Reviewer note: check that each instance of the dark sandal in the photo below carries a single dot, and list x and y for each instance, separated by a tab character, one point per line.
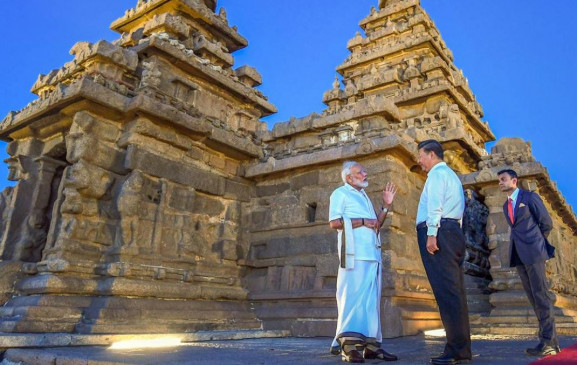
352	356
379	354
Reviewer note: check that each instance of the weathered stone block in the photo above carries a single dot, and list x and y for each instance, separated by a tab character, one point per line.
271	190
87	123
261	219
182	199
92	150
180	173
238	190
227	249
205	204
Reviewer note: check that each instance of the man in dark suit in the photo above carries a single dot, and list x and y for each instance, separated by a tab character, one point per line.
530	225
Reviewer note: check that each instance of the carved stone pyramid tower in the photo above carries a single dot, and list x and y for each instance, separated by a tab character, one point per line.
127	212
400	86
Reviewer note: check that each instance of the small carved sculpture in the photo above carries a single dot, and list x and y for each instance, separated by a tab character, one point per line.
474	228
151	75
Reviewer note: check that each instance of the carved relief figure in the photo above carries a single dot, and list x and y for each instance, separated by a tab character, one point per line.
474	228
33	237
128	204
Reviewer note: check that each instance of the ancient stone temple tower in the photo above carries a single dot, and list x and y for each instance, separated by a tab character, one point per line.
151	198
130	180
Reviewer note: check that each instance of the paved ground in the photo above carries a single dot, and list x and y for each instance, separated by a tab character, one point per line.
496	350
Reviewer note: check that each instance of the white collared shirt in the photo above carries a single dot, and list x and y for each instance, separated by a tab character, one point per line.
352	203
442	197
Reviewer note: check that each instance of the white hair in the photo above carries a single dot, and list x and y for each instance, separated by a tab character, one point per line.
346	171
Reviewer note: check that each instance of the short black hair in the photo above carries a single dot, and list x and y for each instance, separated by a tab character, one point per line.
509	172
432	145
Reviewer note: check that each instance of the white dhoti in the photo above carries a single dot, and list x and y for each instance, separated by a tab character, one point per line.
358	302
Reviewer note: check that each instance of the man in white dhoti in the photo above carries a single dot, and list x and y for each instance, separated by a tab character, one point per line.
351	212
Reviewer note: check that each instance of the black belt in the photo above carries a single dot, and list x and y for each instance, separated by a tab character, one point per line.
443	220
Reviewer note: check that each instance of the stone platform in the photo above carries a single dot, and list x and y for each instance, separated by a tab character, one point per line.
493	350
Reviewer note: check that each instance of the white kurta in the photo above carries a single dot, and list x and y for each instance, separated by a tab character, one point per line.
358	289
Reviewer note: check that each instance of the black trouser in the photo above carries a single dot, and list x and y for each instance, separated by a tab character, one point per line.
534	280
444	270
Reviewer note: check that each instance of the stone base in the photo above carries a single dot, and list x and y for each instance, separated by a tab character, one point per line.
409	314
513	315
75	314
316	314
68	340
10	272
477	294
303	317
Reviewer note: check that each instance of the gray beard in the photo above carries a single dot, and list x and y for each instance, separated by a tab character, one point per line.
361	184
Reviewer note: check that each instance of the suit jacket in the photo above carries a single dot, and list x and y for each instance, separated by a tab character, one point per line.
530	230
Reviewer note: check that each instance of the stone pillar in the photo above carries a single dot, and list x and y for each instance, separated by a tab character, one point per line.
408	305
24	169
476	265
33	235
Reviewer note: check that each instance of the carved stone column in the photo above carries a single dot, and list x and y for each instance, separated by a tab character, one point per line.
34	232
25	170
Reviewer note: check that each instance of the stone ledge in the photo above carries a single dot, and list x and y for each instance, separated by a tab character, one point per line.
66	339
331	155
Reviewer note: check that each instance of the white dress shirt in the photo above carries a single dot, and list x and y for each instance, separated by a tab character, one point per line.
442	197
352	203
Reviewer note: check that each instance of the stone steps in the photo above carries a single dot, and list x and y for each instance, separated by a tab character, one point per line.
563	329
301	317
524	319
24	340
45	326
478	303
151	326
51	313
127	315
61	313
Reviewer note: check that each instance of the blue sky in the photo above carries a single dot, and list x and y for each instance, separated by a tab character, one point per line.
518	56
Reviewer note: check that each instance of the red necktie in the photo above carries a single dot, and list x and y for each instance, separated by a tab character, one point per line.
510	209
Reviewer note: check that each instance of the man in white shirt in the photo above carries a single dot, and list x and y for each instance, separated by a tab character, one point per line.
351	212
442	247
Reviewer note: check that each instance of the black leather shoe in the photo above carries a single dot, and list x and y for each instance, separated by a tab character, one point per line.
449	360
543	350
379	354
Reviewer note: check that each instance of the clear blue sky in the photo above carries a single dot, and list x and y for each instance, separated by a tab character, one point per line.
519	56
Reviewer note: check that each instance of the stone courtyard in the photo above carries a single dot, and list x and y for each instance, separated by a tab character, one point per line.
150	197
412	350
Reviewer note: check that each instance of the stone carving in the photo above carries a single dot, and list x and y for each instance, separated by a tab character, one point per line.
474	228
411	71
129	208
16	169
151	75
5	201
507	151
33	237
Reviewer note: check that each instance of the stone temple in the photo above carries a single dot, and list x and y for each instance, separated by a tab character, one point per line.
151	198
